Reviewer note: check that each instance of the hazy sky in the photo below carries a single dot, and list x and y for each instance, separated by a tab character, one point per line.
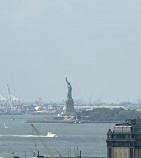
95	43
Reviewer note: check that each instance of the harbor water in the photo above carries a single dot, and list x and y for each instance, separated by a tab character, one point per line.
18	137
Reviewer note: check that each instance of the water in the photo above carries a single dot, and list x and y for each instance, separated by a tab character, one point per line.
89	138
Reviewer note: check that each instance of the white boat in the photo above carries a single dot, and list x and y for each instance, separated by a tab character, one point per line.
5	125
49	134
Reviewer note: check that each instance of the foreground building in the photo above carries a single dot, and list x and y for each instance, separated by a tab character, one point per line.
125	140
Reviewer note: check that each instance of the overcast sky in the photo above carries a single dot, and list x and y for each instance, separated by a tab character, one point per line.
95	43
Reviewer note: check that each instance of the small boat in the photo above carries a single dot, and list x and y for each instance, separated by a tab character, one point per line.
5	125
49	134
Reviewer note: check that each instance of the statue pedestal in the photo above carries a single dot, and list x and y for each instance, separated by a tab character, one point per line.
69	108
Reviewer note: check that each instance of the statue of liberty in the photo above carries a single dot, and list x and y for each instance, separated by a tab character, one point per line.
69	106
69	95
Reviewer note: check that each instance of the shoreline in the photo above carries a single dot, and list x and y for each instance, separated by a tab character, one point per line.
70	122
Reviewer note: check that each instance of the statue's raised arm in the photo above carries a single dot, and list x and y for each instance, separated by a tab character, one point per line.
67	80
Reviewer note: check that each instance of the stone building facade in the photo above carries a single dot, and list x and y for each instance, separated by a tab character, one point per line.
125	140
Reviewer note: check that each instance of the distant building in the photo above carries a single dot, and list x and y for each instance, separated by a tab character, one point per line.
125	140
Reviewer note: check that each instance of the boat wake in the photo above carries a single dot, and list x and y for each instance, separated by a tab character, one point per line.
49	135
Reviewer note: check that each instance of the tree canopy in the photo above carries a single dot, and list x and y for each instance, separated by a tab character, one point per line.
104	114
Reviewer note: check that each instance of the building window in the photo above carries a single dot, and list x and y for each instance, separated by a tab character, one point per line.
131	152
110	153
120	155
125	155
115	154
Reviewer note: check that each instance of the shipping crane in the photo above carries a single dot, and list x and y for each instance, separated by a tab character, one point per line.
42	141
9	96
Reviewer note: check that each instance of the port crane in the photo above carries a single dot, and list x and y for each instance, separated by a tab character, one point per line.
9	96
42	141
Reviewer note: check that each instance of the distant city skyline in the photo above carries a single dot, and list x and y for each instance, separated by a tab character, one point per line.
96	44
89	100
